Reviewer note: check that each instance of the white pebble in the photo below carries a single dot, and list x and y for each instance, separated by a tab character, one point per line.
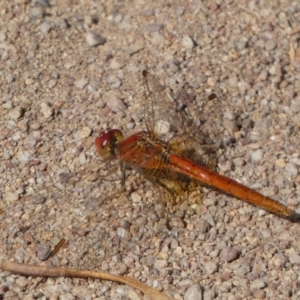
114	81
31	141
121	232
135	197
211	267
256	155
257	284
211	81
296	161
94	39
23	157
116	104
188	42
3	37
233	81
81	83
36	12
280	163
157	39
116	65
193	293
45	27
291	168
15	113
294	258
46	110
11	197
44	3
82	158
295	105
85	132
160	264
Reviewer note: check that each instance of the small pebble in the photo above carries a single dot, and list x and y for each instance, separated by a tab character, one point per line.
259	294
160	264
22	282
233	82
115	104
262	76
116	65
193	293
148	12
270	44
209	295
81	83
131	294
152	28
279	261
23	157
114	81
136	198
296	161
121	232
3	37
34	125
295	105
20	256
11	197
135	49
45	27
211	267
257	284
280	163
29	81
242	43
176	222
6	100
213	6
82	158
36	12
44	3
52	83
94	39
188	42
16	113
46	110
256	155
294	258
9	78
43	252
214	253
85	132
229	254
291	168
203	226
211	81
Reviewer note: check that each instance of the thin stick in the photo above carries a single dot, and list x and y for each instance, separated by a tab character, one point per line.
34	270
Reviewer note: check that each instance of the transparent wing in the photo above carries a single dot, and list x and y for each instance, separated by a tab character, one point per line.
193	126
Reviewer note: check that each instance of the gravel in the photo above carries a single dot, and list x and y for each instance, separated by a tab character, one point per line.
70	70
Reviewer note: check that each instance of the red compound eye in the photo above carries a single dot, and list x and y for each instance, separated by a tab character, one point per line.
106	141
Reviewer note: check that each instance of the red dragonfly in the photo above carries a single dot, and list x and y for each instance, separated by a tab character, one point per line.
158	156
165	153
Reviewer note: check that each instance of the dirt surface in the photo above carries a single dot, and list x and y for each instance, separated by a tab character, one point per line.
72	69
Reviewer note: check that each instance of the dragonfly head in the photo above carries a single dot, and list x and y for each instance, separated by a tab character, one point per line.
107	143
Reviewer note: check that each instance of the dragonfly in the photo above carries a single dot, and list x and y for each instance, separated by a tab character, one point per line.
175	151
158	154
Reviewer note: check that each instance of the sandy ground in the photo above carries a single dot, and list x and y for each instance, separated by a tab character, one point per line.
74	68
